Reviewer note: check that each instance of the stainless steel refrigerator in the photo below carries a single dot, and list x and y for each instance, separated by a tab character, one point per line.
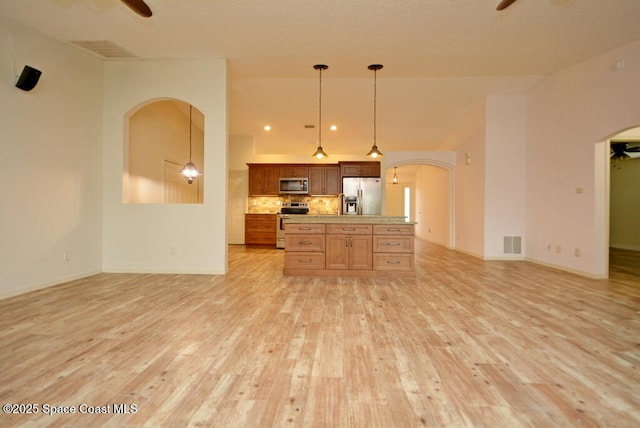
365	195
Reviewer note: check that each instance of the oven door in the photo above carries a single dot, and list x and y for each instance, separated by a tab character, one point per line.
280	230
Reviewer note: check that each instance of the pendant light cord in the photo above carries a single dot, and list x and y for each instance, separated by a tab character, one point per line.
375	75
320	111
190	126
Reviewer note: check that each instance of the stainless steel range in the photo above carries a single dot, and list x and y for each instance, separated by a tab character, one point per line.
287	210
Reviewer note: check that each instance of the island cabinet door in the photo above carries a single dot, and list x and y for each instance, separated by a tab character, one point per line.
337	252
349	252
360	254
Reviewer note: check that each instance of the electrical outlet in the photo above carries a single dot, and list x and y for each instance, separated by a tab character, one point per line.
577	252
558	249
548	247
173	251
66	255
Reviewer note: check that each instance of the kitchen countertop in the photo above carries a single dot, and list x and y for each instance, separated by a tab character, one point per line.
347	219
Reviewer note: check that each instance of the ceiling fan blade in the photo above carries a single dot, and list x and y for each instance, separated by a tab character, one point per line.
139	7
619	150
505	4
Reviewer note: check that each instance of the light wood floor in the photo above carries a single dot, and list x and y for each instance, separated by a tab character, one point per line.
466	343
624	265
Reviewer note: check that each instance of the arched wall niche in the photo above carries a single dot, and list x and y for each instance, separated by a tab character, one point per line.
161	136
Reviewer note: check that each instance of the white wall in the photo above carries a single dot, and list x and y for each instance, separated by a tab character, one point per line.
469	185
142	238
504	186
394	199
625	205
50	163
242	152
433	193
567	114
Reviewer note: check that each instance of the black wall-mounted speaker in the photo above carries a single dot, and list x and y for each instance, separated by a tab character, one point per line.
28	78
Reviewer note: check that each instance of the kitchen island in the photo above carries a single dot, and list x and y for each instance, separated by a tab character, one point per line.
349	245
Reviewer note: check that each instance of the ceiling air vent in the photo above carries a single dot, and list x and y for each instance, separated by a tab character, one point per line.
103	49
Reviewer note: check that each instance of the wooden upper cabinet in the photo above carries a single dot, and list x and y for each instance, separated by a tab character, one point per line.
360	169
297	171
264	180
324	180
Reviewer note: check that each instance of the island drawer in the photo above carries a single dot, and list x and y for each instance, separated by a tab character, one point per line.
349	229
386	261
304	260
393	229
297	242
305	228
392	244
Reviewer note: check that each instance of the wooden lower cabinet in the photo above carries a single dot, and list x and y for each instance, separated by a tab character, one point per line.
260	229
302	260
364	250
349	247
304	247
393	247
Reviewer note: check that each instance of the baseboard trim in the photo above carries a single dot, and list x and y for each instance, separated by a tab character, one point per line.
6	294
165	271
568	270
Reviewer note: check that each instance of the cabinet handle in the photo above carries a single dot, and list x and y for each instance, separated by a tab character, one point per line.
304	242
393	262
348	242
389	229
304	260
348	229
392	244
304	228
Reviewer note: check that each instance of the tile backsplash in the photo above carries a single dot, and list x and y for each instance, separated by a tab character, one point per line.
272	204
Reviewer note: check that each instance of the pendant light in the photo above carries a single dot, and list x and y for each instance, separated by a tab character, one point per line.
319	153
374	152
395	175
190	171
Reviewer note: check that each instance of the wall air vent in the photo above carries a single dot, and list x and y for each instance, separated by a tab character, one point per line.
513	245
103	49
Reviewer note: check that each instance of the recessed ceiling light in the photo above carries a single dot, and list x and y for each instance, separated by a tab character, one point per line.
267	127
333	127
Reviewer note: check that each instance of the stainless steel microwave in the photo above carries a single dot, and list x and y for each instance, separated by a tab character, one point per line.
294	186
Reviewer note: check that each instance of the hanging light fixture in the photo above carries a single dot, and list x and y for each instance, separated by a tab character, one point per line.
374	152
190	171
395	175
319	153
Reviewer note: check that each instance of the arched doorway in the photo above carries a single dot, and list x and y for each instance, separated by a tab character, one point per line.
623	204
431	184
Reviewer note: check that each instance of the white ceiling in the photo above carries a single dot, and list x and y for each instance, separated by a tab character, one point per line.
441	58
